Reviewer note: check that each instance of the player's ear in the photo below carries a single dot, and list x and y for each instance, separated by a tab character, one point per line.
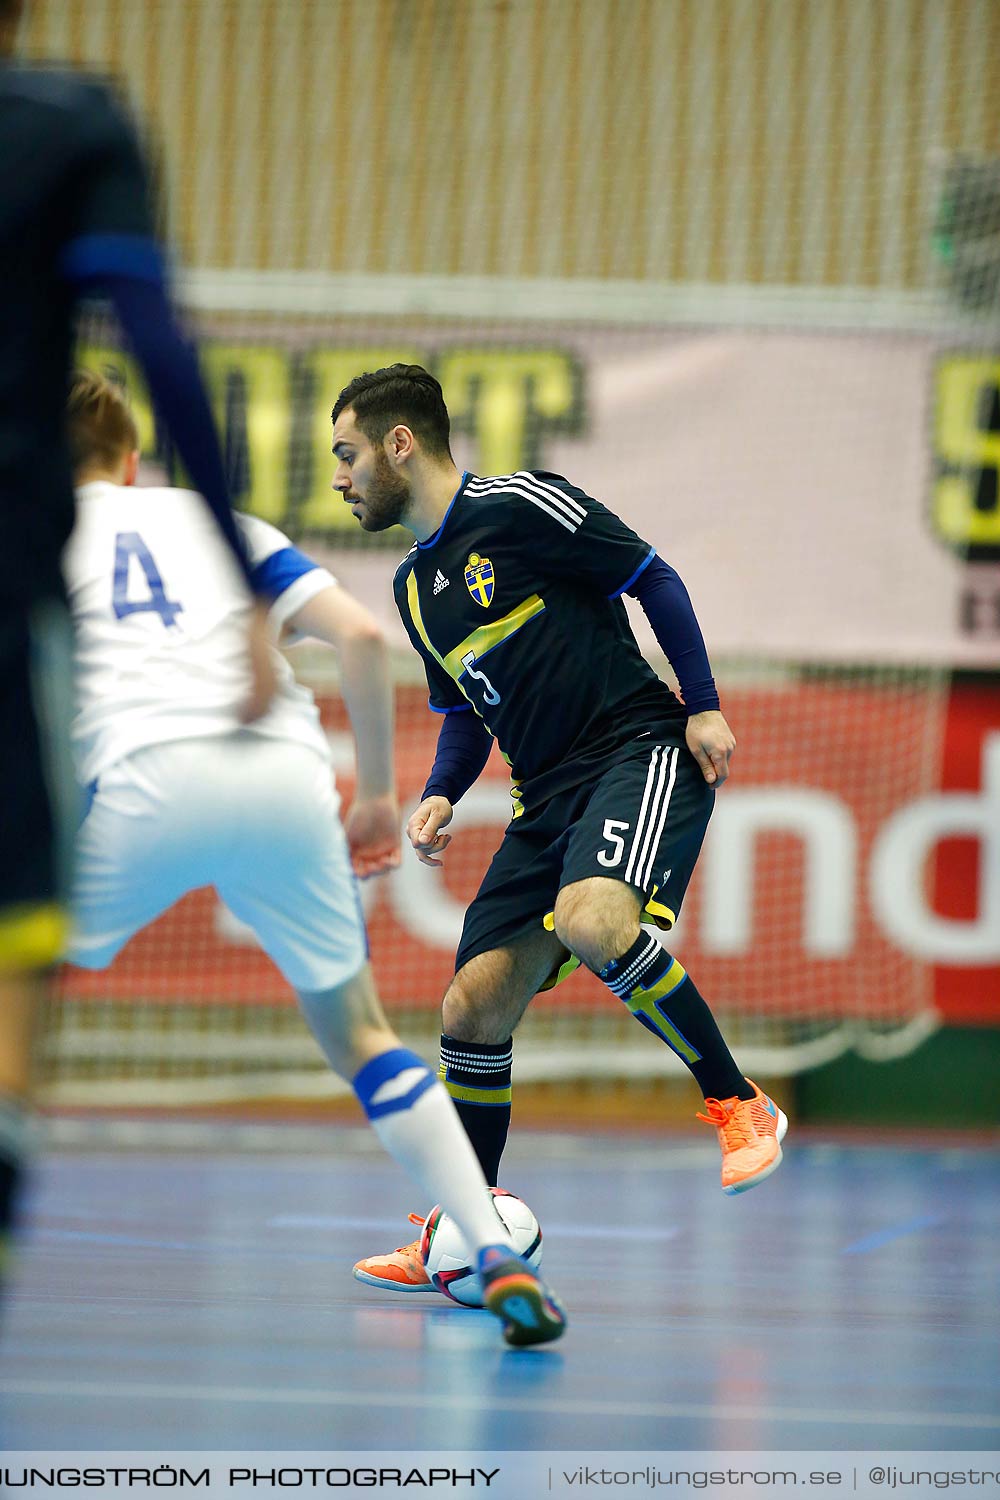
131	467
399	443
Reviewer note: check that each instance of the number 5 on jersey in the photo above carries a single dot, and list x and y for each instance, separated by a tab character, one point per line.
129	544
490	694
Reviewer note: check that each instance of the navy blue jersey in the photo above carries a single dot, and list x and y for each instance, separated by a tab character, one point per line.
515	606
71	176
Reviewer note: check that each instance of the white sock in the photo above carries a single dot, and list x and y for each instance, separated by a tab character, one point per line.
415	1120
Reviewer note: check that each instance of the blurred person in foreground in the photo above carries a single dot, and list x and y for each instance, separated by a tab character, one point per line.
511	594
183	796
75	221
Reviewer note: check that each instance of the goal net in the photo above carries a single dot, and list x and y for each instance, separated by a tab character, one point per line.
731	267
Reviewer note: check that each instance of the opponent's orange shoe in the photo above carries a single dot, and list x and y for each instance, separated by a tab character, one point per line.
402	1271
750	1135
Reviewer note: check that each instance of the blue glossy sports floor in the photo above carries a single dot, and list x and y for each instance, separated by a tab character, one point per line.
190	1288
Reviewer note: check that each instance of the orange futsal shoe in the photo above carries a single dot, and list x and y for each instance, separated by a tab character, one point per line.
402	1271
750	1134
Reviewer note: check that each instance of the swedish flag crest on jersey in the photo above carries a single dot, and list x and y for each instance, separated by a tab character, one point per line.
479	579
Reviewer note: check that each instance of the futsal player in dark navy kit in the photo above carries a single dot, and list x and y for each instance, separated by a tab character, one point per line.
74	220
512	595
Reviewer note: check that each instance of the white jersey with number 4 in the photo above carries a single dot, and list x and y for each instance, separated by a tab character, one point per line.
161	614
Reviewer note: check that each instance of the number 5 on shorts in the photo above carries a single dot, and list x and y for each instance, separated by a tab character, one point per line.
610	860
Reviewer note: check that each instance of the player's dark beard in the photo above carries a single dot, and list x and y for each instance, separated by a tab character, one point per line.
387	497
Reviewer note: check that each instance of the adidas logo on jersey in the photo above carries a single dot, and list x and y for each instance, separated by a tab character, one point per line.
440	581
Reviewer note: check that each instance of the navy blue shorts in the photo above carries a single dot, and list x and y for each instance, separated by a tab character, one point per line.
642	822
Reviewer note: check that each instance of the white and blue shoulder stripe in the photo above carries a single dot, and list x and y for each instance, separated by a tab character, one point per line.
279	571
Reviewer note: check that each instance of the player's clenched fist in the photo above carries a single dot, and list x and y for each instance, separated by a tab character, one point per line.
423	829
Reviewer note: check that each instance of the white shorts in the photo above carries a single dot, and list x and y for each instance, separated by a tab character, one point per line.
256	818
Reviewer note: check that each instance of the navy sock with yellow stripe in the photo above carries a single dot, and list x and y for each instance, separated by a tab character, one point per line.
477	1077
661	996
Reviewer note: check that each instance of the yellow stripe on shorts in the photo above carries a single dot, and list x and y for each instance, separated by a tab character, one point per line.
663	916
32	936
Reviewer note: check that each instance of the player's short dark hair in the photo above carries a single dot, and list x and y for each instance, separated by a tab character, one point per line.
406	394
99	423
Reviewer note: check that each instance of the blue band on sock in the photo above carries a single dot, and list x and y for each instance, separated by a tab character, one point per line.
377	1070
388	1065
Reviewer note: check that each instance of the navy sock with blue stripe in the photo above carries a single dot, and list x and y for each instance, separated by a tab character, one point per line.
662	997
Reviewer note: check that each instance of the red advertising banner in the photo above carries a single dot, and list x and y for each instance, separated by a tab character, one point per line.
966	870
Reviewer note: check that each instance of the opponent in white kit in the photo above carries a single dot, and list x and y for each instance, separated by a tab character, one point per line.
183	795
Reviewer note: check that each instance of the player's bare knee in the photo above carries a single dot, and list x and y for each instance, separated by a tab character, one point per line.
592	940
597	920
468	1017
